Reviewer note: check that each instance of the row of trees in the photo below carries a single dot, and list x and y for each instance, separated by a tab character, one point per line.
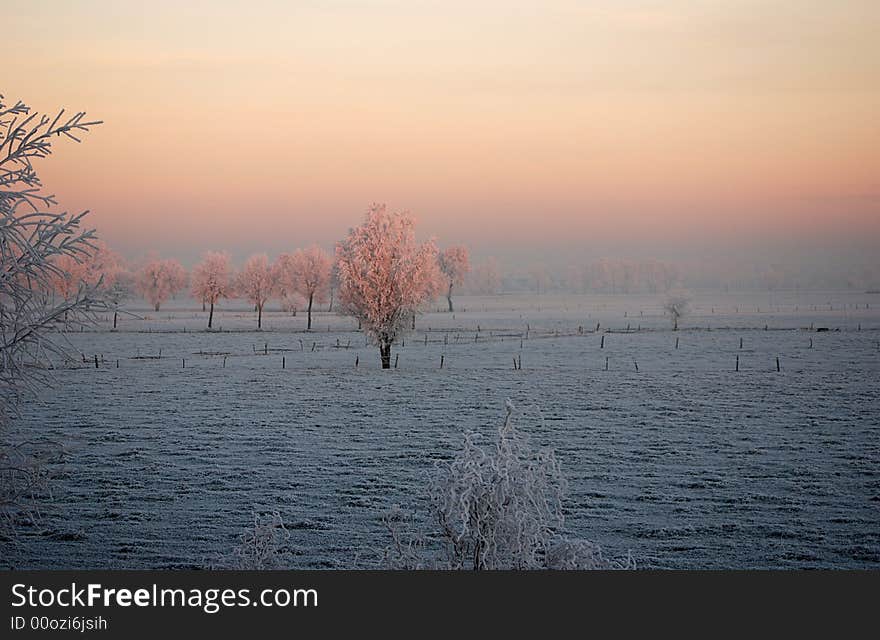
382	255
302	278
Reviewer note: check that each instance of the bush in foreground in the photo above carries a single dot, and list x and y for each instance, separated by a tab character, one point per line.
495	508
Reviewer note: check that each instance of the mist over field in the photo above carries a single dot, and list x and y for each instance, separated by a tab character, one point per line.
413	285
670	452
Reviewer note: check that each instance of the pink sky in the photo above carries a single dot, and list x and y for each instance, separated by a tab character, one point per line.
272	125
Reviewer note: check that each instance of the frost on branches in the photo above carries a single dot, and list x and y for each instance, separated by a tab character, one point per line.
260	548
496	508
36	247
212	280
158	280
306	274
455	265
97	270
385	275
256	282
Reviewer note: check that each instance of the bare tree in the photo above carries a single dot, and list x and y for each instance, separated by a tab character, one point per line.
34	242
677	304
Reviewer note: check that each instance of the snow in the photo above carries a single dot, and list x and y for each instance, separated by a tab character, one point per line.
686	462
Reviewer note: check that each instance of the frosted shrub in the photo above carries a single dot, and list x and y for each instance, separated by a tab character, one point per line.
24	475
260	547
497	508
580	555
407	550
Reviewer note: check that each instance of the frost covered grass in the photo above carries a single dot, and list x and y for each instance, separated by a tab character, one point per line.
686	462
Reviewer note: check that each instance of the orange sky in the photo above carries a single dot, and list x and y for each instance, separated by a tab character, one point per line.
271	125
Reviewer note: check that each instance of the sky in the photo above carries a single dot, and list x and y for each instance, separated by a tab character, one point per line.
546	128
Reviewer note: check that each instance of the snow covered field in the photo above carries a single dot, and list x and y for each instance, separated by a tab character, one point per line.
670	453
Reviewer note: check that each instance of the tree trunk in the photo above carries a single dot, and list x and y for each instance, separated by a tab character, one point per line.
385	354
211	315
414	321
674	322
330	307
309	322
203	306
156	307
259	316
449	298
115	314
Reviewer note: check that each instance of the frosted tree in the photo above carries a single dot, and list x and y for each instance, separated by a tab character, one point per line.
333	287
103	266
308	274
98	270
289	297
36	244
677	304
158	280
70	276
385	275
291	302
211	280
256	282
454	265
